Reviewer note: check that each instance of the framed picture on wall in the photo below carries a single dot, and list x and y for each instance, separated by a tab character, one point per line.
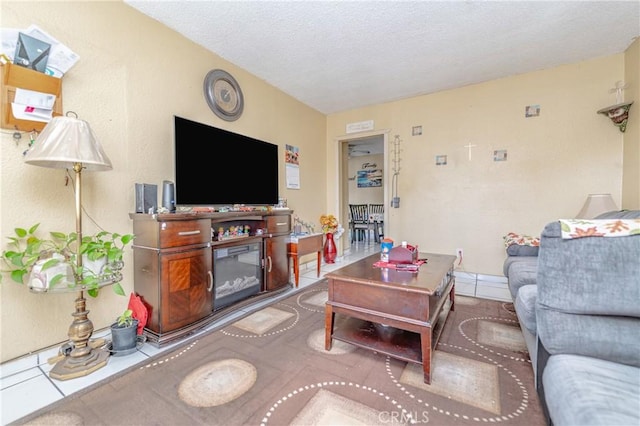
369	178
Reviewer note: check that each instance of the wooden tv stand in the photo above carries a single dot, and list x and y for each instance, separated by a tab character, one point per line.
173	265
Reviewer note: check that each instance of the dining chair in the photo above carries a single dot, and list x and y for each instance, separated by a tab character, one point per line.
359	224
376	220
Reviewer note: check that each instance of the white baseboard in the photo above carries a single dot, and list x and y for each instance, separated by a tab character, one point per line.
484	286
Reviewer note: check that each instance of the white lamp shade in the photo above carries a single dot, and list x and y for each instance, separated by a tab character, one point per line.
66	141
595	205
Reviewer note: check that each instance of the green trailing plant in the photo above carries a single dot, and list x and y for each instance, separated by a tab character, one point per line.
105	245
27	249
109	247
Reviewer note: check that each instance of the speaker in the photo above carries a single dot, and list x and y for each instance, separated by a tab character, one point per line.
168	196
146	198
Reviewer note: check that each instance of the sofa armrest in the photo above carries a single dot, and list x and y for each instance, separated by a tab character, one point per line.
520	271
512	260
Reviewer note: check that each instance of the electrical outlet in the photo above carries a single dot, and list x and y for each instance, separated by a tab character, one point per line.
459	253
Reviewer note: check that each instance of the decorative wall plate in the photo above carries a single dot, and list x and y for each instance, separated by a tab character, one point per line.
223	95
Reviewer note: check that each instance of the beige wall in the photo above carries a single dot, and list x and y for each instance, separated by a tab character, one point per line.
554	160
132	77
631	175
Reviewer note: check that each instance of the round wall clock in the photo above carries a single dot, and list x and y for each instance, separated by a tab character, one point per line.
223	95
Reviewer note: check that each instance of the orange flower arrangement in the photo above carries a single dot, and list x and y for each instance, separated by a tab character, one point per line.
329	223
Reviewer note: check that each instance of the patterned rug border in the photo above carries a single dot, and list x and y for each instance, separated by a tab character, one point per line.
365	378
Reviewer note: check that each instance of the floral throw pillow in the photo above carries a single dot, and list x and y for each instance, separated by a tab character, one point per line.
521	245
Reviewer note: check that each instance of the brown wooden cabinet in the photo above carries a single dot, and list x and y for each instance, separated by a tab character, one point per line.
276	265
185	287
276	259
174	267
172	273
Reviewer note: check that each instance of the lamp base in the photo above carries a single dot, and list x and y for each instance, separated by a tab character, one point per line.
73	367
83	359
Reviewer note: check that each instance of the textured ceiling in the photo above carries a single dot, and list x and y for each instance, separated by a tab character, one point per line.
339	55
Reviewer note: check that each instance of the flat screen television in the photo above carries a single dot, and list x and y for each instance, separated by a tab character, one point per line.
215	167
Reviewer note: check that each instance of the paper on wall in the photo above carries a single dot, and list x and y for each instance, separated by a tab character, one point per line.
26	112
32	105
61	58
34	99
292	176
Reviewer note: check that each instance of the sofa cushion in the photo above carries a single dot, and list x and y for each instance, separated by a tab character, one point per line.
600	336
587	391
525	306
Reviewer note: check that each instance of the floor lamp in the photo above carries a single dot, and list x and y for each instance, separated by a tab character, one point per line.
68	143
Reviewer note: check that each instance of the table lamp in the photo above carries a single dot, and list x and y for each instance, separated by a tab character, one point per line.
595	205
69	143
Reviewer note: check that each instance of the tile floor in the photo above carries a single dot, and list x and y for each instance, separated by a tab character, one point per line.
25	385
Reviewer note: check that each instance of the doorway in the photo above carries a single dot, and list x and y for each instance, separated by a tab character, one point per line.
362	156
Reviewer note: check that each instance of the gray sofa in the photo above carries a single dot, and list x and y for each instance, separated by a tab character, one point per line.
521	273
578	303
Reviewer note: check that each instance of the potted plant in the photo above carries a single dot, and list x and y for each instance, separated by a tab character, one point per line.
124	334
125	320
46	257
49	263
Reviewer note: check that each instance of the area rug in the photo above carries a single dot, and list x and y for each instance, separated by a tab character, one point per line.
271	368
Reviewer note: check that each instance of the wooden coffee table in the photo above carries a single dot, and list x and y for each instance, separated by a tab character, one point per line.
396	313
